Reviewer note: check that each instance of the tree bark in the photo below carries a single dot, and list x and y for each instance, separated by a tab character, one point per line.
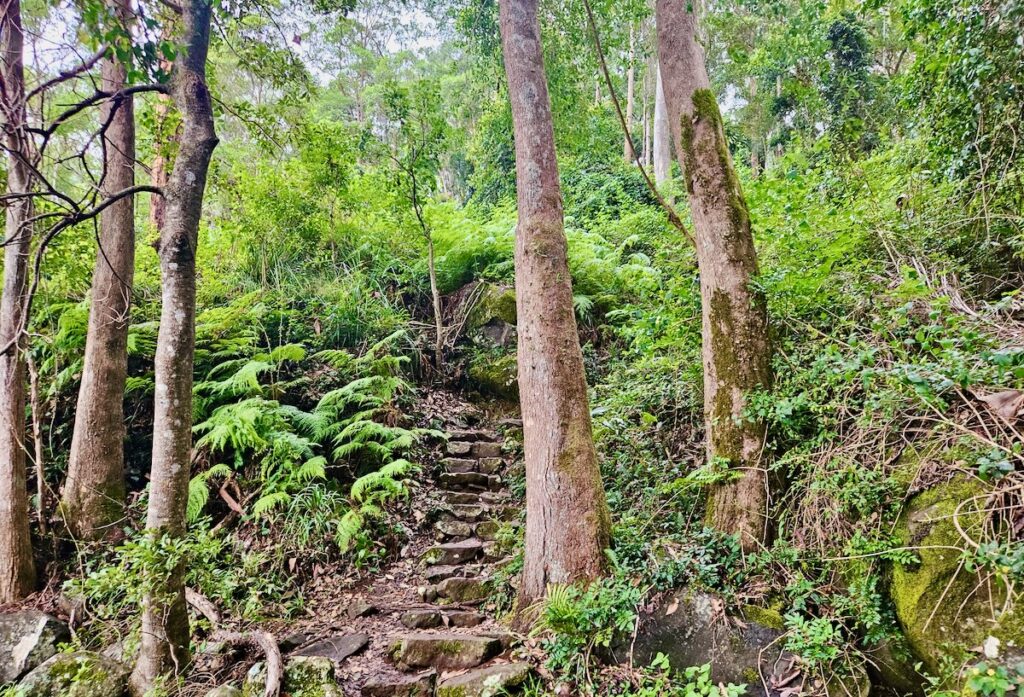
94	493
17	568
567	520
165	630
627	146
662	146
736	349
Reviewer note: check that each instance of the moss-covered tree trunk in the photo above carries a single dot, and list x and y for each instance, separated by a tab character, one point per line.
17	570
567	522
94	492
165	630
736	348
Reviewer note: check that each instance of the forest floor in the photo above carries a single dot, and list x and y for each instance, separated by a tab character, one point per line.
422	618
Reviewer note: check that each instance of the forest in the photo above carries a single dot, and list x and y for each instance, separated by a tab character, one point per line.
472	348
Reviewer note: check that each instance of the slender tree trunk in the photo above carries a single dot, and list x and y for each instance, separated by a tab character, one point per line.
646	116
662	135
94	492
164	142
17	569
736	349
36	409
435	295
627	147
567	520
165	630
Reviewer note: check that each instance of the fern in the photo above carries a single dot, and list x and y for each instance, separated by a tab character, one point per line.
199	490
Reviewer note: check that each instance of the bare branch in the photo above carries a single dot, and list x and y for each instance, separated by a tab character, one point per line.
86	65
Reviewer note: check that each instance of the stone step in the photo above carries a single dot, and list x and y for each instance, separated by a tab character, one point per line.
470	481
498	679
441	650
472	435
469	449
459	465
462	590
453	497
432	619
451	528
436	574
490	465
421	685
452	553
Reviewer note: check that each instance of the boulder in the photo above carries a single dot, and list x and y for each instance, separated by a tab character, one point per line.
487	530
305	676
442	651
401	685
78	674
690	628
28	638
492	319
486	682
945	610
496	376
454	528
336	648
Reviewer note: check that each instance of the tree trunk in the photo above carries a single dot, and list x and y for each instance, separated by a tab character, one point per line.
94	492
627	145
567	520
736	350
165	630
662	146
17	569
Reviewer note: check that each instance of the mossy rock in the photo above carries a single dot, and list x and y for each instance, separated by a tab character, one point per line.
78	674
495	303
945	610
304	676
495	376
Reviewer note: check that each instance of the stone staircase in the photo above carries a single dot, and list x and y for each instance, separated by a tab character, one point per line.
451	649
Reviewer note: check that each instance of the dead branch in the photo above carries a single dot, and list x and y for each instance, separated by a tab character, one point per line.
264	641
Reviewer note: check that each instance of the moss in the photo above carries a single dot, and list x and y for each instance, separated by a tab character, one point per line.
942	607
495	302
495	376
763	616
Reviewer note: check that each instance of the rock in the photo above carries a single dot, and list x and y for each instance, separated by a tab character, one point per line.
462	590
456	498
28	638
464	618
486	682
469	512
78	674
469	435
336	648
294	640
488	450
487	530
428	594
891	664
495	376
452	553
458	464
435	574
308	676
361	608
458	448
401	686
454	528
224	691
421	619
465	480
944	609
490	465
492	318
443	651
689	629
